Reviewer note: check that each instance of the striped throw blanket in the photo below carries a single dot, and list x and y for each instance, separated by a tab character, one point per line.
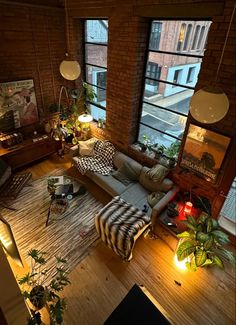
119	224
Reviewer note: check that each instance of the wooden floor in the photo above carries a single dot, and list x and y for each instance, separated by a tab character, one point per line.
101	280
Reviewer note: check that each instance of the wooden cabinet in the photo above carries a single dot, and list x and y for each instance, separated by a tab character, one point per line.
29	151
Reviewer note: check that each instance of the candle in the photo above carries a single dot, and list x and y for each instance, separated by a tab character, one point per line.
188	207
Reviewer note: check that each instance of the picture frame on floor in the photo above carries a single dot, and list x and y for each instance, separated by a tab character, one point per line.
204	152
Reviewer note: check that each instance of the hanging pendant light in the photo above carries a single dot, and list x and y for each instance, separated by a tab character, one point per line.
210	104
69	68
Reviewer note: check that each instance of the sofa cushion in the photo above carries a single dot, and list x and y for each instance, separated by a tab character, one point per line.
121	177
137	195
120	159
157	173
86	147
151	186
107	182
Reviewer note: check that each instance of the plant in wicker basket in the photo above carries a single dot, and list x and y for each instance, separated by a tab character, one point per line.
40	294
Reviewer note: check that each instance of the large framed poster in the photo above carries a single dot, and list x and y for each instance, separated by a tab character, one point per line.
204	152
18	105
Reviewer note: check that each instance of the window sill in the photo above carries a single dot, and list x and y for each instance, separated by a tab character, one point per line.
228	225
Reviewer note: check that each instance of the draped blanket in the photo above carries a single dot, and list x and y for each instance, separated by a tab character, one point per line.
101	161
119	224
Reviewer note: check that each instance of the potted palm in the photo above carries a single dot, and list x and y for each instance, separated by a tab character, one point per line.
202	244
41	288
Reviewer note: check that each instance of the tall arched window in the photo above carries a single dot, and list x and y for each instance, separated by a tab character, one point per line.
197	30
199	43
186	41
181	37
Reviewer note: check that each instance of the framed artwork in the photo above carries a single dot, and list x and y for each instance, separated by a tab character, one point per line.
18	105
204	152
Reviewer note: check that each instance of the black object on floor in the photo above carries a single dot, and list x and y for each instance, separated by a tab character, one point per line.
136	308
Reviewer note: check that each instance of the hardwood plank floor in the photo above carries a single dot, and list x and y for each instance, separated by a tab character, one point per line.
102	280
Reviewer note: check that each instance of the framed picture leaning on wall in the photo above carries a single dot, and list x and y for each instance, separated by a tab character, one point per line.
204	152
18	106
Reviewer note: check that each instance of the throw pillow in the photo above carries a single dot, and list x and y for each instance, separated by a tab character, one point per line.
155	197
86	147
128	170
121	177
151	186
157	173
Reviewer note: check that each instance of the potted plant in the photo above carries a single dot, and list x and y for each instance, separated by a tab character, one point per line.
145	144
40	294
202	244
81	104
171	153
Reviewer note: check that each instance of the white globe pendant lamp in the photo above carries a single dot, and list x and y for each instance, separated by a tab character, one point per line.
69	68
210	104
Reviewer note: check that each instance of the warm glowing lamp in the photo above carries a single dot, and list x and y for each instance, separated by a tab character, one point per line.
188	207
70	69
181	264
85	118
210	104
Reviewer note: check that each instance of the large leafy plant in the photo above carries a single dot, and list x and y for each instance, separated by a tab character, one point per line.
202	244
81	104
42	288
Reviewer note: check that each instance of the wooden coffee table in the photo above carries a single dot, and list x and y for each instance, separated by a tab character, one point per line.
66	189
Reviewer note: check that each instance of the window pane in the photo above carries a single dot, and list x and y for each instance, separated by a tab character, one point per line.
173	35
195	39
160	119
188	33
96	76
164	96
97	113
101	96
96	54
155	35
169	63
155	136
96	31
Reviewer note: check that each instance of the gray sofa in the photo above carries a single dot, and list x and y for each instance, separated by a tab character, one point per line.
136	192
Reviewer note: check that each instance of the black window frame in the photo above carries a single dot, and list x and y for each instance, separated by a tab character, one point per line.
177	53
86	64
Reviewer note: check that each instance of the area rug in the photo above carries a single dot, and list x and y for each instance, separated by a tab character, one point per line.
71	237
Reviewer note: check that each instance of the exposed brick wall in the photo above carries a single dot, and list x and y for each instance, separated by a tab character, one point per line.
32	47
